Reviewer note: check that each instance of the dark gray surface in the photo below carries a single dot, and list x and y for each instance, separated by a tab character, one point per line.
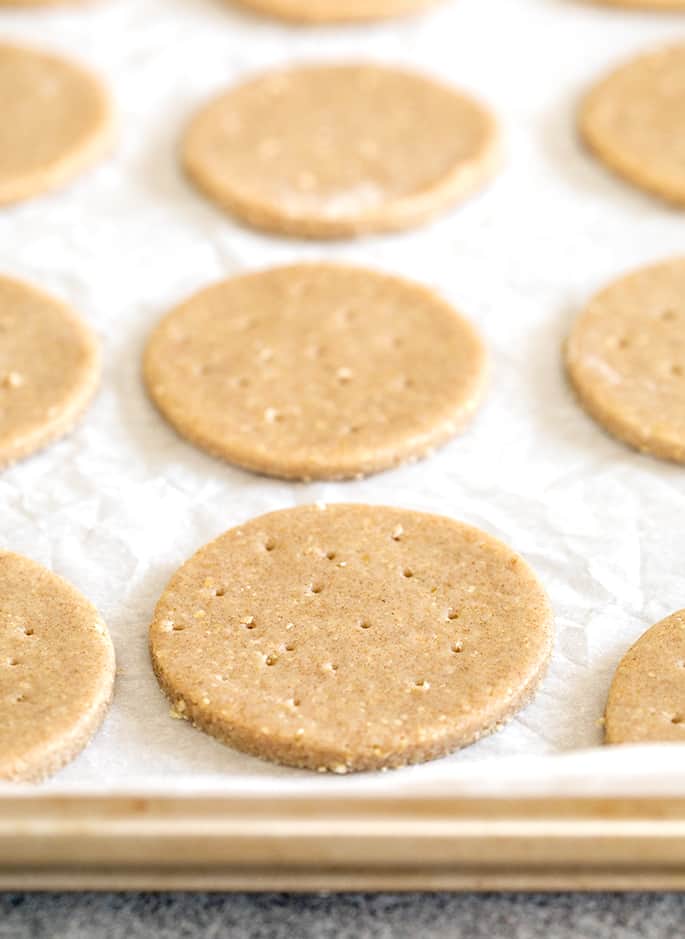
353	916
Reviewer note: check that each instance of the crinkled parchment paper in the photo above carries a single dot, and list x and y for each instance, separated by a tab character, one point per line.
117	506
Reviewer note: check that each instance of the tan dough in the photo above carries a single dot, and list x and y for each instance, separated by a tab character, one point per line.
56	121
316	371
656	5
42	3
335	11
647	697
334	151
351	637
49	369
626	359
56	670
634	121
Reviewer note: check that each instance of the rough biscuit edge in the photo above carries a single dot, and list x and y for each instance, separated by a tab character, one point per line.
286	752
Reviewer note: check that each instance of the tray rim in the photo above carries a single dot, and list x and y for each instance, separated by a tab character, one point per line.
332	842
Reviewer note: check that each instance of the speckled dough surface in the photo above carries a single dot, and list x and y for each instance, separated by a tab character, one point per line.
634	120
49	369
335	11
316	371
56	119
56	670
351	637
647	697
626	359
333	151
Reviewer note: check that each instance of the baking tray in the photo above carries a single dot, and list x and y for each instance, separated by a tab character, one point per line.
600	525
302	844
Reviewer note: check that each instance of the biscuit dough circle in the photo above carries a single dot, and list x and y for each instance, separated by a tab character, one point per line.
647	698
56	121
351	637
626	359
634	120
331	151
56	670
316	371
49	369
336	11
657	5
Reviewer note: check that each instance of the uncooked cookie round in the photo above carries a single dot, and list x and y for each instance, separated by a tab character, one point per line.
626	359
335	11
647	697
56	121
351	637
634	121
316	371
49	369
56	670
645	4
332	151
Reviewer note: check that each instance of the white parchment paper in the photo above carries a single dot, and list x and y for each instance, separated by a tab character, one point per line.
117	506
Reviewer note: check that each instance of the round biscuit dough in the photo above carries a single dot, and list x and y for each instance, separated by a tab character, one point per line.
56	670
49	369
56	121
625	358
655	5
316	371
326	151
647	697
335	11
634	120
351	637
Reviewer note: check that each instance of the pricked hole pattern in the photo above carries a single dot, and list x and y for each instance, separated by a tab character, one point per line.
457	646
19	698
178	627
407	573
422	684
331	555
365	625
269	544
678	719
271	659
12	662
289	647
453	614
315	588
28	631
220	592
